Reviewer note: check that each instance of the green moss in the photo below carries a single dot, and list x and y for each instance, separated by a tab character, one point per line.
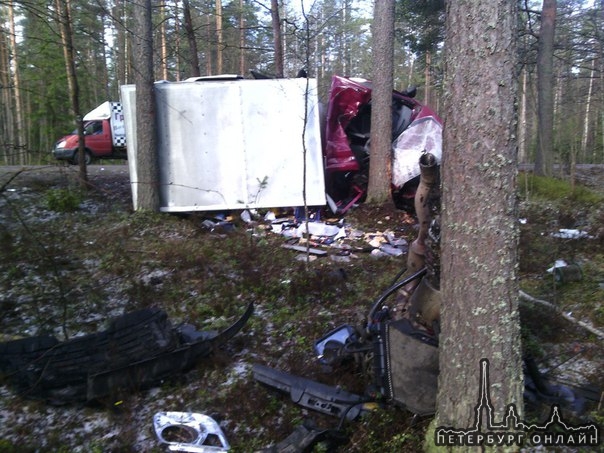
544	188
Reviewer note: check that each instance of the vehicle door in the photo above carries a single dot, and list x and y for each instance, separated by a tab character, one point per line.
98	137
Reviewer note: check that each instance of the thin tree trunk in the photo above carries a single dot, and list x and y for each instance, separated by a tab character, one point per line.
7	132
428	79
587	117
545	90
105	72
65	25
190	32
241	38
19	127
219	43
162	42
380	176
121	53
320	58
346	38
411	67
277	38
177	63
522	154
209	66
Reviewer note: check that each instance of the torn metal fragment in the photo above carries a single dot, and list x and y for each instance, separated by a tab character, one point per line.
189	432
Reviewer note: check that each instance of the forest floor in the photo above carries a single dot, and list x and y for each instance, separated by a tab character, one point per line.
70	260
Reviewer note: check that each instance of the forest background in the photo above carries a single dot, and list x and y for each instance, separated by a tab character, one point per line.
280	37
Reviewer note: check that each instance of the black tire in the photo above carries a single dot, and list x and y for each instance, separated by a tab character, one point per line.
87	158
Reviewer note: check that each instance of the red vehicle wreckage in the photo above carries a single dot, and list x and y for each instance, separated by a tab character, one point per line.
416	129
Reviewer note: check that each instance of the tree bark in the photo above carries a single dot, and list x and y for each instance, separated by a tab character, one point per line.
545	90
19	145
163	64
522	124
219	44
588	102
146	144
241	38
428	79
479	316
65	25
277	41
121	45
6	114
209	66
380	177
190	32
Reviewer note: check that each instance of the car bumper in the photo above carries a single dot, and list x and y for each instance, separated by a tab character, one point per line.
62	153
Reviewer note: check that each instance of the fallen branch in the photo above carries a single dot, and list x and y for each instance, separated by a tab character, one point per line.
528	298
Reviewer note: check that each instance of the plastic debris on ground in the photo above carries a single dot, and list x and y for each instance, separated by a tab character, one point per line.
333	237
190	432
558	263
564	272
566	233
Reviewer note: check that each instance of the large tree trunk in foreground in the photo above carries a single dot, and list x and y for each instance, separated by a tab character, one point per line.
479	316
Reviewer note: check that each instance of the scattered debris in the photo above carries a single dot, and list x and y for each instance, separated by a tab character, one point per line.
189	432
557	263
300	248
315	237
564	272
565	233
314	395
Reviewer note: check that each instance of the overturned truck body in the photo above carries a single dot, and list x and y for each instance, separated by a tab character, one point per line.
226	143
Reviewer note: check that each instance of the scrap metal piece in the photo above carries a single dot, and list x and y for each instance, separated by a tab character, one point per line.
407	366
330	347
305	437
202	433
313	395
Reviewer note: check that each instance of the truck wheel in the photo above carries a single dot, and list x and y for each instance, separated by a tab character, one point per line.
87	158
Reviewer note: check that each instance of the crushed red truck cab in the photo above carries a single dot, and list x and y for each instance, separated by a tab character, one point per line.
105	136
416	129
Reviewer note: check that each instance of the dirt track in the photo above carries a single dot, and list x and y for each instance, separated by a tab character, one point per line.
41	172
588	174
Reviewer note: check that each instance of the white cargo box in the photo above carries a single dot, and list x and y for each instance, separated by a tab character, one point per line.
233	144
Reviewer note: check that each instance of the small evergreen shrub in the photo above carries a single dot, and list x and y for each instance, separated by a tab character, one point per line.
63	200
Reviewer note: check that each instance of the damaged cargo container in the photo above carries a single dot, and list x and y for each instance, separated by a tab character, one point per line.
226	144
